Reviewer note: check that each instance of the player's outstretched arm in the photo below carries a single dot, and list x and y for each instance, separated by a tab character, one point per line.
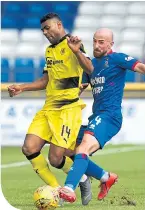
39	84
140	68
74	44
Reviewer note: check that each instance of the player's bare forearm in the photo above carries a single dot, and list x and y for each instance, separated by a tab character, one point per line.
39	84
85	63
140	68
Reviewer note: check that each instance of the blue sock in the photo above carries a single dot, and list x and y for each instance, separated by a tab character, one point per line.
94	170
77	170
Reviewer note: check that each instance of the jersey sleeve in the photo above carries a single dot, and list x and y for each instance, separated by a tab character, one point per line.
125	61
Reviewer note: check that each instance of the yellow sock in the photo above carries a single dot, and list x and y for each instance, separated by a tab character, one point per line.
41	167
67	165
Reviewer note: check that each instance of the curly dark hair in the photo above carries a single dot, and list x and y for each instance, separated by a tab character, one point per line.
49	16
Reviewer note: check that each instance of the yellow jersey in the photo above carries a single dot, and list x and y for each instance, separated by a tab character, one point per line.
65	76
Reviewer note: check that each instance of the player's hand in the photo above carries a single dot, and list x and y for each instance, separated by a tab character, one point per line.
14	90
74	43
83	87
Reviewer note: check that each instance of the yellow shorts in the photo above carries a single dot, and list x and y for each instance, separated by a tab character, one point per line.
59	127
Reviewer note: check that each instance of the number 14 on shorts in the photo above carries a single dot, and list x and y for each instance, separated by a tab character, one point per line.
65	132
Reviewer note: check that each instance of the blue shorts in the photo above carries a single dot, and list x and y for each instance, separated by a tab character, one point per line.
103	127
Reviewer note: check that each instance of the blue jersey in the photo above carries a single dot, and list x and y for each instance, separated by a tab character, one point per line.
108	80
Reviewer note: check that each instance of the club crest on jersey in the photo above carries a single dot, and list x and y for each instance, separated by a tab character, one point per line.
62	51
106	65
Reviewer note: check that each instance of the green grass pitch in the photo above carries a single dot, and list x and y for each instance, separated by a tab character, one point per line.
19	183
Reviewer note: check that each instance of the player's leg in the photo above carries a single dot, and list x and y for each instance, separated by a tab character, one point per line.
84	184
59	161
64	127
64	138
82	164
70	154
79	167
37	136
59	158
62	143
106	179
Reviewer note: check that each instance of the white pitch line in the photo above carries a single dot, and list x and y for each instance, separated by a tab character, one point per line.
101	152
17	164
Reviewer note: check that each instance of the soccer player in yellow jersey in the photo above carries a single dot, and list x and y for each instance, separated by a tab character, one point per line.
59	120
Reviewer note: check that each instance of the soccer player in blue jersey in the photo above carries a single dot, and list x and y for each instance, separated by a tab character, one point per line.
107	82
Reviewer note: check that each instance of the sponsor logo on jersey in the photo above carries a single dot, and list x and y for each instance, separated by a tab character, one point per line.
53	62
98	80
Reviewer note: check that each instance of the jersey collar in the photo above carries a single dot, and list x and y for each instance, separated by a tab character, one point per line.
110	52
63	38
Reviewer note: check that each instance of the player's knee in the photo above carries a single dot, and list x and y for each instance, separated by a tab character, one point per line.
83	148
32	144
88	145
28	150
25	150
55	161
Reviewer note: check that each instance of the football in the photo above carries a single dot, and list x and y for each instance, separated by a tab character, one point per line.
46	197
